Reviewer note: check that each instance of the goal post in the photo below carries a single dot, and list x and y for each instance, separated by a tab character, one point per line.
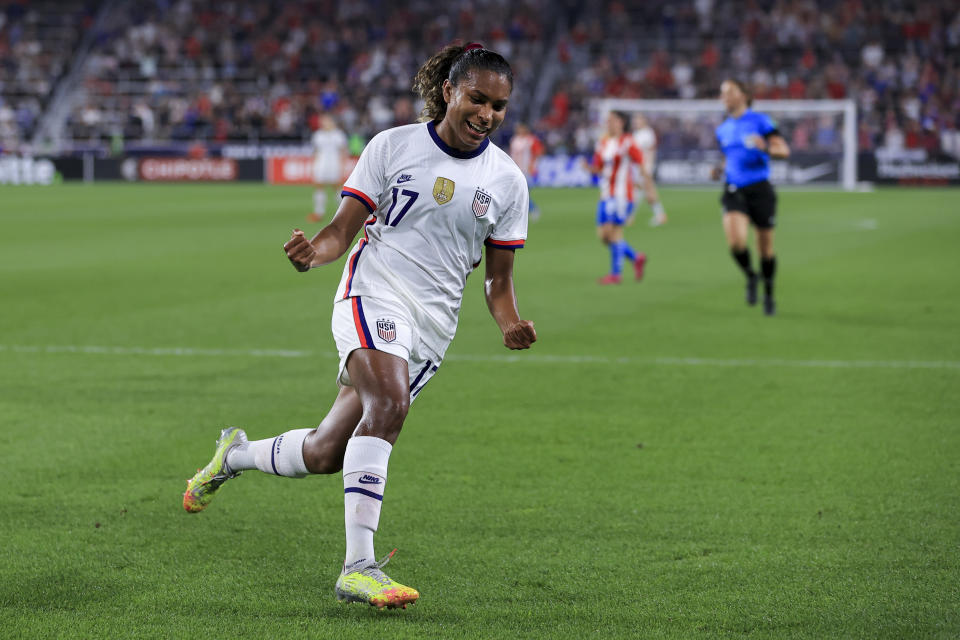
822	135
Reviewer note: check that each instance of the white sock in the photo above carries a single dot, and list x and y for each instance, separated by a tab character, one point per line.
280	456
364	479
658	209
320	201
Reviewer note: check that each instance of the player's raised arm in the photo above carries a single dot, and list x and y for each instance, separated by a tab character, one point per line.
331	242
502	300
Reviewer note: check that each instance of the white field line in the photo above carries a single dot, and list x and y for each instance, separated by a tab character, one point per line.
530	358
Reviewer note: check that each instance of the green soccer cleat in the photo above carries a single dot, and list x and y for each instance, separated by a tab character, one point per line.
374	587
202	486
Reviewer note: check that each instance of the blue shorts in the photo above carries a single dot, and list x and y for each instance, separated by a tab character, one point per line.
613	211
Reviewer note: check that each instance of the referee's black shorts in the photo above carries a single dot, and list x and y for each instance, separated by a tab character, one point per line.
757	200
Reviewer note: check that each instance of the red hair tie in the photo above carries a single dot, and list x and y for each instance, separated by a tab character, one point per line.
472	45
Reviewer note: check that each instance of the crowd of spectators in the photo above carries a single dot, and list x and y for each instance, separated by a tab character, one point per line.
263	70
250	71
899	60
37	40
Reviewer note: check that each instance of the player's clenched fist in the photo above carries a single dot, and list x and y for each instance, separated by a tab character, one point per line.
520	335
299	251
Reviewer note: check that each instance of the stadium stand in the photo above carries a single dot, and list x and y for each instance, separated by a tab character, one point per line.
896	59
37	40
263	71
254	71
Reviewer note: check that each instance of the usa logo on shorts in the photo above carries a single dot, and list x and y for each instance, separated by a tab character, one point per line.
481	202
387	330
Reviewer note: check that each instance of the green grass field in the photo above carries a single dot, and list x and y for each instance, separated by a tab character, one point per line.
665	462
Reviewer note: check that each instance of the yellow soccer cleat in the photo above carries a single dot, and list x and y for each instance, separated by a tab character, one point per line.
202	486
374	587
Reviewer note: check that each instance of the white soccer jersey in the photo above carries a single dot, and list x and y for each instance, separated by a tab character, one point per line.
433	208
646	139
328	147
615	157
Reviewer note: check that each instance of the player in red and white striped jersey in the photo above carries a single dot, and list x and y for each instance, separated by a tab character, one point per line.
614	160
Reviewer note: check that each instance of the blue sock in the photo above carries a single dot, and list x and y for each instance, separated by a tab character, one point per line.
627	251
616	257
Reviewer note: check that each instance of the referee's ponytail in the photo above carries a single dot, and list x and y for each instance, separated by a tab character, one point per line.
453	63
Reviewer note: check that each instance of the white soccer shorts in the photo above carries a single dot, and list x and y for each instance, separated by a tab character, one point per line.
362	322
327	172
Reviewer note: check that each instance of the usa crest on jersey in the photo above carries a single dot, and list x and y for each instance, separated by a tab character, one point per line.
481	202
387	330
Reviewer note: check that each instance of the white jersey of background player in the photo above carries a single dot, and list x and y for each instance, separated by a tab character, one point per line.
433	210
646	139
329	155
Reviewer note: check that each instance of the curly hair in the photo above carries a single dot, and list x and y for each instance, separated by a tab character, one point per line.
453	63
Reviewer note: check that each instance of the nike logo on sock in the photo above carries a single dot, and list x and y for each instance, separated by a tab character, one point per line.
368	479
355	566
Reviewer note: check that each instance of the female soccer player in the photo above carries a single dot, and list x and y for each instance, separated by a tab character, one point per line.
329	156
525	149
429	197
613	160
748	139
646	139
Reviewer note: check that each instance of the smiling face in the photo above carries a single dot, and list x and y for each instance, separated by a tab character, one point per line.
475	108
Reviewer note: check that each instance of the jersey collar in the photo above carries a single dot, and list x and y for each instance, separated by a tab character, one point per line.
450	151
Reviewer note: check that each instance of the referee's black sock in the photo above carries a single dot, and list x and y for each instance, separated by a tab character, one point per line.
742	258
768	266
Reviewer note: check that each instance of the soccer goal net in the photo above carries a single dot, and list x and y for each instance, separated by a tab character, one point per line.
822	135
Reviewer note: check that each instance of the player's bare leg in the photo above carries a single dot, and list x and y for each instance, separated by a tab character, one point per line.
323	449
382	383
659	217
768	268
736	224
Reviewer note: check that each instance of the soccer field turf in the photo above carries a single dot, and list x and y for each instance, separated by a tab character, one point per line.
664	462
